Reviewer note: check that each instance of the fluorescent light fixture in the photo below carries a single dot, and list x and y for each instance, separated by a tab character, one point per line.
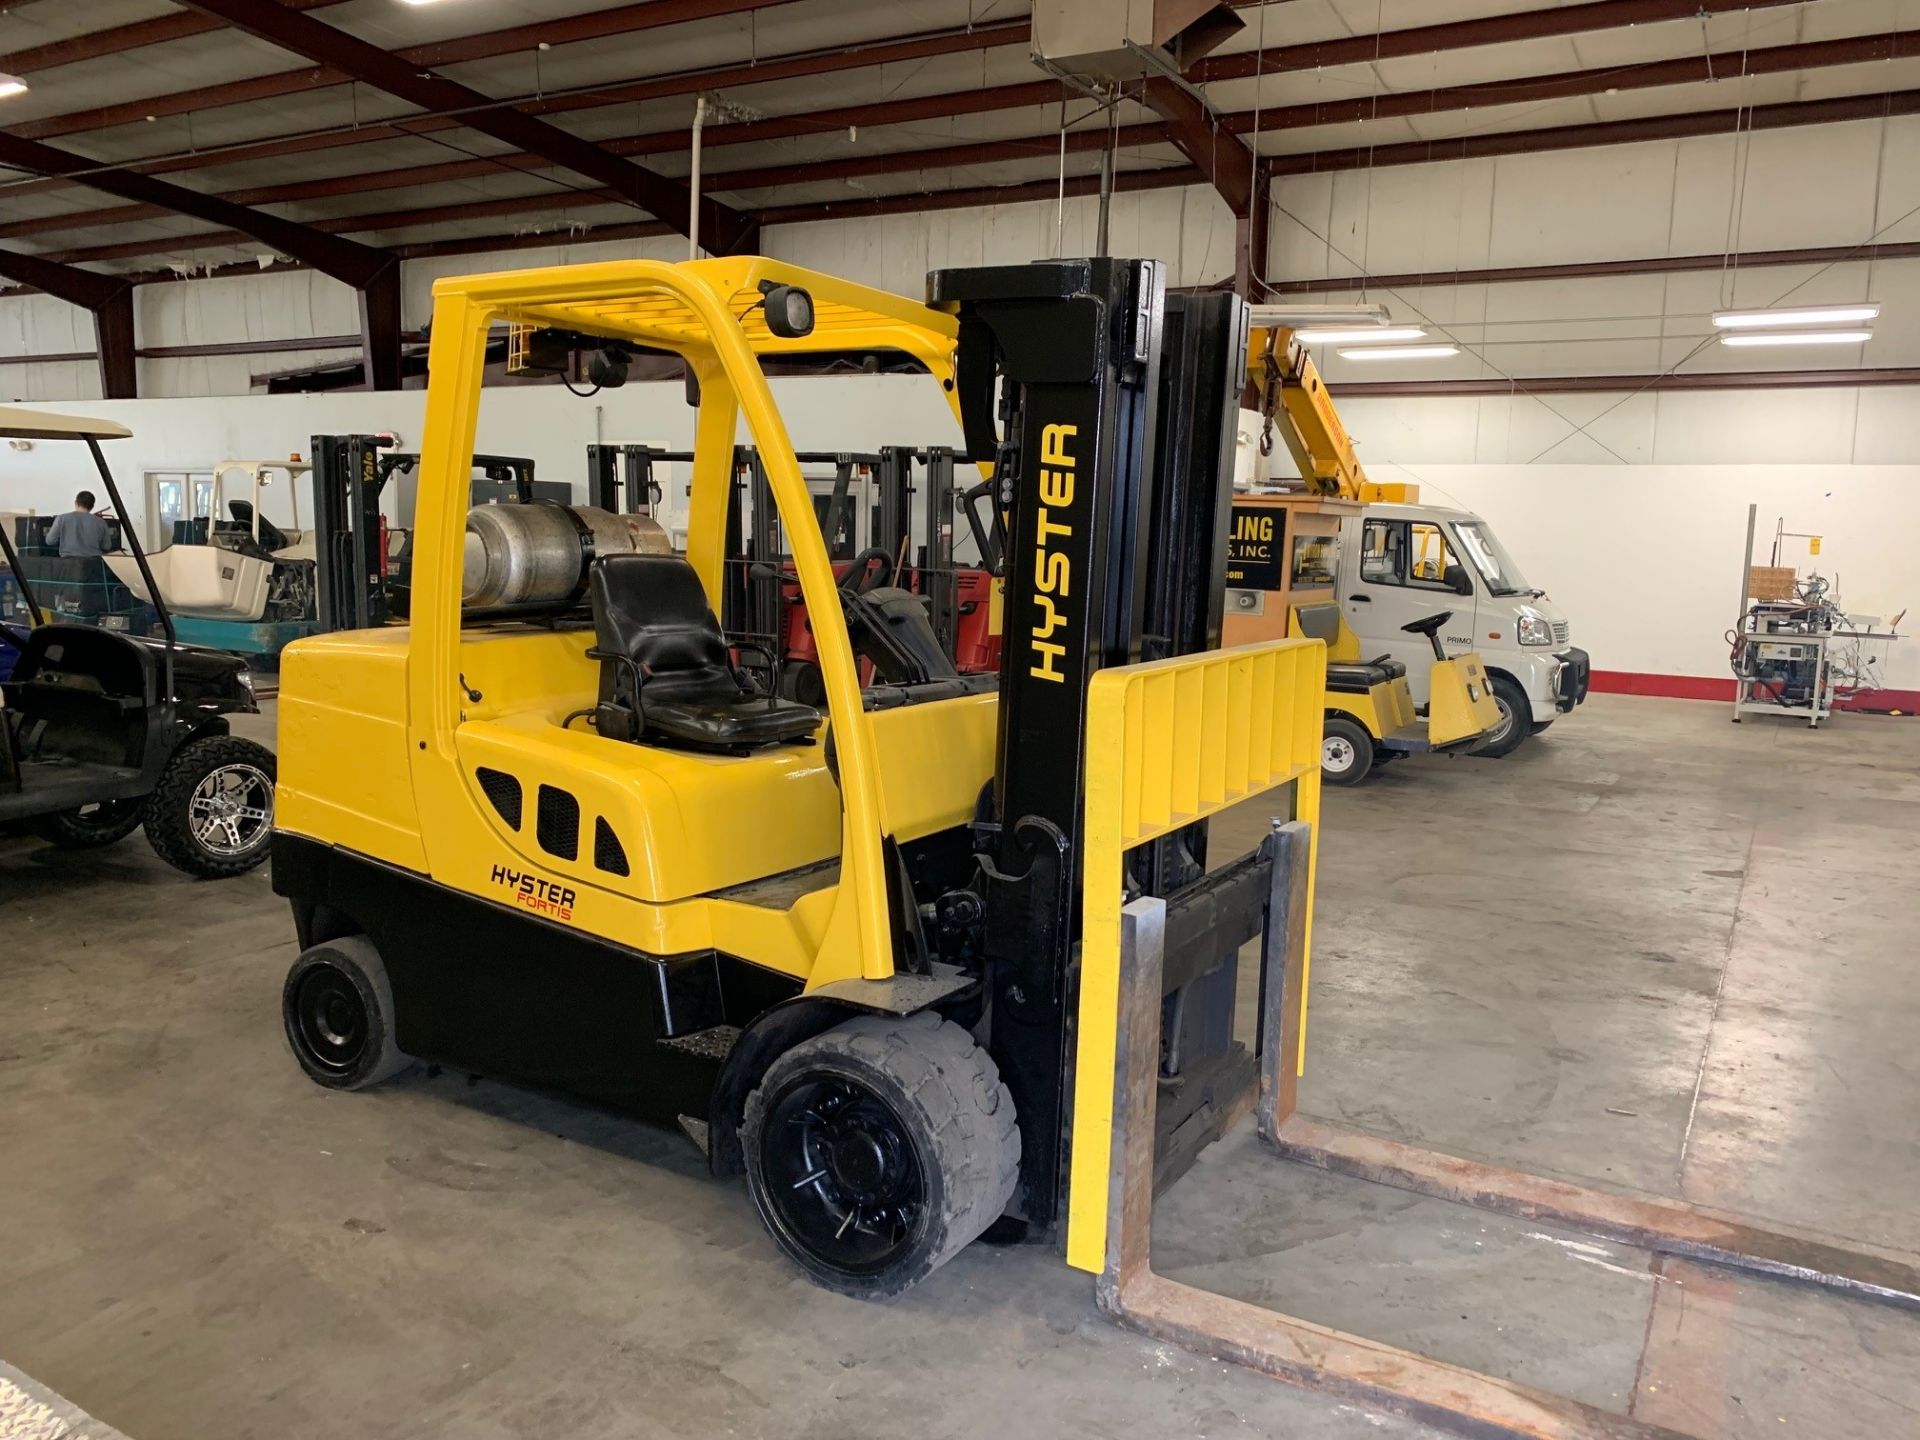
12	85
1795	315
1398	352
1385	333
1795	337
1306	317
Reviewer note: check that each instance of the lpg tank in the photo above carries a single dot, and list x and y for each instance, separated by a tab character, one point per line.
535	556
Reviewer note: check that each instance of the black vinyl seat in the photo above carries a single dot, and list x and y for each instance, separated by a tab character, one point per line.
1349	679
665	670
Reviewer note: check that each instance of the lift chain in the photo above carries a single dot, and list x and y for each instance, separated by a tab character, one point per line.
1269	393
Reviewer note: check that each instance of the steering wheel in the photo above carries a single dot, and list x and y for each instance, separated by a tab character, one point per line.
271	535
862	577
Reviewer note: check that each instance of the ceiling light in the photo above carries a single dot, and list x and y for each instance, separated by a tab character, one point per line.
1799	337
12	85
1304	317
1795	315
1329	335
1399	352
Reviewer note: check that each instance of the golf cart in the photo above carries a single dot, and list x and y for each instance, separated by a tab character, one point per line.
105	729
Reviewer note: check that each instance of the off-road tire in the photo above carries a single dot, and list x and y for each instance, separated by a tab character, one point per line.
169	829
349	973
945	1093
82	829
1341	731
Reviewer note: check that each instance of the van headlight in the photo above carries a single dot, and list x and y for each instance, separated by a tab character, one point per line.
1534	629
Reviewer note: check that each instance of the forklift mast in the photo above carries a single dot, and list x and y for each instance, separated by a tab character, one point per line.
1105	407
349	578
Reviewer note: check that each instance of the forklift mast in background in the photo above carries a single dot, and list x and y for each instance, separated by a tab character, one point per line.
349	549
620	478
1071	376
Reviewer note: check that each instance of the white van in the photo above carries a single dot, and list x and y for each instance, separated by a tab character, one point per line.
1402	562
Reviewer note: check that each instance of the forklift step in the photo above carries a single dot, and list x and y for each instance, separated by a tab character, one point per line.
713	1043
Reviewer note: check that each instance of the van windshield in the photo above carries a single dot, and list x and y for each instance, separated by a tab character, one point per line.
1503	577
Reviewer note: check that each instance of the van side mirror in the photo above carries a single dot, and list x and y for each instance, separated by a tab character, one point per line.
1457	580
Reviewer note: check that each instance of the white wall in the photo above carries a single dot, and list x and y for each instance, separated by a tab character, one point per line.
858	412
1645	559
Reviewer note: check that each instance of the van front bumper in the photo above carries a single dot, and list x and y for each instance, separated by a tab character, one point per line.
1574	678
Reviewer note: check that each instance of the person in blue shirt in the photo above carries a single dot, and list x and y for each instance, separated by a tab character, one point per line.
80	534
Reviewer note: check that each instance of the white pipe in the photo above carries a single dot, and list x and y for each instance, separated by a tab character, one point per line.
693	179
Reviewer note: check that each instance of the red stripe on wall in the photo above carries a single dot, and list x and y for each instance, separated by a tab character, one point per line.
1674	687
1712	687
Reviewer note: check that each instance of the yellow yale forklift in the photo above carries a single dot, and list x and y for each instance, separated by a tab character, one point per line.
566	834
1284	563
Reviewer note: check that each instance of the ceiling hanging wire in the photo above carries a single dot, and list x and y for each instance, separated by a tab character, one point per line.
1060	195
1740	160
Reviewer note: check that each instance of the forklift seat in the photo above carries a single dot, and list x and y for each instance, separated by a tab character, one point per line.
665	670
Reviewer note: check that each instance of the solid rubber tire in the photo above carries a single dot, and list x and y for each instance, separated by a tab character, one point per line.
1355	734
947	1092
354	957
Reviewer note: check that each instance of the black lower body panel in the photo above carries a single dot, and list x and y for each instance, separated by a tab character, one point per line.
485	988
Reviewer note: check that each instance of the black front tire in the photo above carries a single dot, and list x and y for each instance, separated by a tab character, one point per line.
1516	718
1346	751
211	815
91	826
877	1150
337	1009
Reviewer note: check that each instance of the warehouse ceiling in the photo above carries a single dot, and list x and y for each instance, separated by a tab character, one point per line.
456	126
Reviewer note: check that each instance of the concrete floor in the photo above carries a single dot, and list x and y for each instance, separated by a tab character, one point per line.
1652	949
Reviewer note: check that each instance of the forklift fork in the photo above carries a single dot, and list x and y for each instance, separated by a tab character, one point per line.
1350	1367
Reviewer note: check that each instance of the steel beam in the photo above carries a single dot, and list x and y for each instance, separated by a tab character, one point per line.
109	298
664	198
380	329
1466	35
1608	132
1216	152
344	260
121	38
1229	166
596	24
1593	269
113	335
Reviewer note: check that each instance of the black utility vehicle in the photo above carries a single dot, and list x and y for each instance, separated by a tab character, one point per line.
104	729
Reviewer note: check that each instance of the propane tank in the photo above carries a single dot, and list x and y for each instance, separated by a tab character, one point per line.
537	554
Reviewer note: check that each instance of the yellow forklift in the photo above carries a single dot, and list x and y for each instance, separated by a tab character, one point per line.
1283	564
564	829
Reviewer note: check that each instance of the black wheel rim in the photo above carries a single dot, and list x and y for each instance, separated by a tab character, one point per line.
842	1179
330	1019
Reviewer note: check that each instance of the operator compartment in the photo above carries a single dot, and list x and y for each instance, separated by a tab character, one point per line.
599	696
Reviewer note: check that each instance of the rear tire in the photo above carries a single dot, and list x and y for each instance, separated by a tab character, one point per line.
877	1150
800	681
337	1010
211	815
1346	751
1516	718
91	826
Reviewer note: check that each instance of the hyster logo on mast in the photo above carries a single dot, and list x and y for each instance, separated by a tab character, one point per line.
1052	569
